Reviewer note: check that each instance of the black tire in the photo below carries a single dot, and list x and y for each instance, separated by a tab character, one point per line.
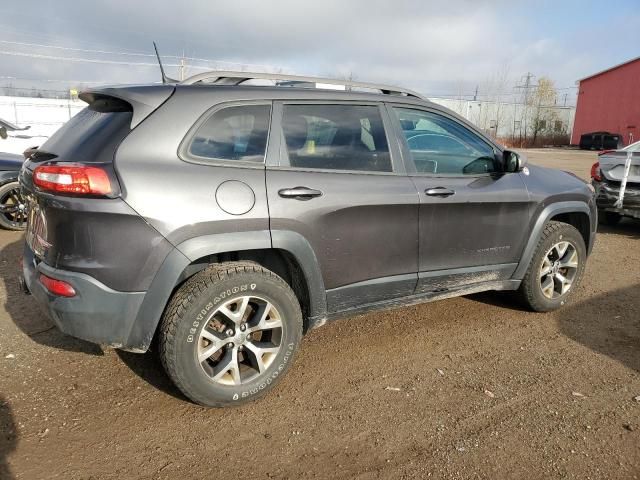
186	316
11	216
531	290
609	218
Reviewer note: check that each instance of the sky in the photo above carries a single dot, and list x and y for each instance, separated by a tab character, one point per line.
439	48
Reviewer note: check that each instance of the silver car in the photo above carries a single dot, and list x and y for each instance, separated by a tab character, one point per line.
607	175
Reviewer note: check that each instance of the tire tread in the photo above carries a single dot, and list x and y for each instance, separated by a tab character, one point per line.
178	306
527	286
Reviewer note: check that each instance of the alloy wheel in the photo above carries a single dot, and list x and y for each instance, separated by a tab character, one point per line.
240	340
13	207
558	270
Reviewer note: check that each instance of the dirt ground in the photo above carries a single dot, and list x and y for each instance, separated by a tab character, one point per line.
479	389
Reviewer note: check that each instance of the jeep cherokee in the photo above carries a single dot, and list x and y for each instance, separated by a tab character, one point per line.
221	220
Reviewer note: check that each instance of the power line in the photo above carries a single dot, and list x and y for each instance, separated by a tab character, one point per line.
77	59
136	54
39	36
109	62
105	52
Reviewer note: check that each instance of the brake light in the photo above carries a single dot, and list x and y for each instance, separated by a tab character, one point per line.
72	178
57	287
604	152
595	172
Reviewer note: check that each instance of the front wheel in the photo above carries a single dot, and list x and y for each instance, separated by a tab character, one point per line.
556	268
230	333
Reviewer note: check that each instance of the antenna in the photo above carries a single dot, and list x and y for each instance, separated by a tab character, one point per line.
165	79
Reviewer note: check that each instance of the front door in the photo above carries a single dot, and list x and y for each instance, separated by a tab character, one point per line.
339	184
473	216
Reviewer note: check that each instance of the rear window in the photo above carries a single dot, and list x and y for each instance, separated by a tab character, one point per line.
237	133
93	134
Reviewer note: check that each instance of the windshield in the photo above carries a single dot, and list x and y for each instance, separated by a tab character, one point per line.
634	147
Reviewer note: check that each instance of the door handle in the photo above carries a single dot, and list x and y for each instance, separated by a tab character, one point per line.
299	193
439	192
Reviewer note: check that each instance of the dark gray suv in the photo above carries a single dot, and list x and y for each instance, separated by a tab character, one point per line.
220	221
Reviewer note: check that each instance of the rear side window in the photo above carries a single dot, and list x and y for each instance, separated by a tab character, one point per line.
440	145
93	134
236	133
336	137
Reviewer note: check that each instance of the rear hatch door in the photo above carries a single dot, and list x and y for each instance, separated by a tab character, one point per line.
612	166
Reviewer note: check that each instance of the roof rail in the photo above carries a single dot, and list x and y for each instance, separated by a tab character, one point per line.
221	77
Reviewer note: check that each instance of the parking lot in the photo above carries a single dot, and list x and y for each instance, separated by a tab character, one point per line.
472	387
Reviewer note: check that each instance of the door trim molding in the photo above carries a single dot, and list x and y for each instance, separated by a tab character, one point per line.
368	291
458	277
423	298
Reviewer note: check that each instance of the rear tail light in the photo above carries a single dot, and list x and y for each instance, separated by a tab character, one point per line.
72	179
604	152
595	172
57	287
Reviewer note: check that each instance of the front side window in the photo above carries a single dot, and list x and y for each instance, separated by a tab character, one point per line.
233	133
439	145
336	137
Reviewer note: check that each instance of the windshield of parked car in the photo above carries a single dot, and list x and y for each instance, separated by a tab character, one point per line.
634	147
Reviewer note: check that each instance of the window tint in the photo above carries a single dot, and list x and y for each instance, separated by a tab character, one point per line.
91	135
440	145
336	137
233	133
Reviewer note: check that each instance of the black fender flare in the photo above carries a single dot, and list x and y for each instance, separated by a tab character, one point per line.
299	247
175	268
545	215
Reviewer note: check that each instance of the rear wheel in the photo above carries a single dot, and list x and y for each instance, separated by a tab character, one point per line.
230	333
609	218
13	214
556	267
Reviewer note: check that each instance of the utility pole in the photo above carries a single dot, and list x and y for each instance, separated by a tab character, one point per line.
475	95
526	87
565	99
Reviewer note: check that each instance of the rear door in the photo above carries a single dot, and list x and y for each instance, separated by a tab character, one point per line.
336	180
473	217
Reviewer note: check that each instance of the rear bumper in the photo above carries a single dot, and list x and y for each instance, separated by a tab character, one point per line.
97	313
607	194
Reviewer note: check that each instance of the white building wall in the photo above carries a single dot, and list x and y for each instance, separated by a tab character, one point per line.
509	120
43	115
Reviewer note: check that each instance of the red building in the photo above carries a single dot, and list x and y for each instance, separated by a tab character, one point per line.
610	101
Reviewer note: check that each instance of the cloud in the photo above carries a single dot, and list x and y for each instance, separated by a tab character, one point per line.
435	47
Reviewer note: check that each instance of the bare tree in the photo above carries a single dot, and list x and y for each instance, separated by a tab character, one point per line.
543	97
493	90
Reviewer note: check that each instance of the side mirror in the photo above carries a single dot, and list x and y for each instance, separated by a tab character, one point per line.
3	133
512	161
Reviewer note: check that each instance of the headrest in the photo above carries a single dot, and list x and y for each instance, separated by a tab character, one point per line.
408	125
295	128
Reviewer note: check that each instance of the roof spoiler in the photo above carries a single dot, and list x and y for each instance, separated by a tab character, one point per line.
144	99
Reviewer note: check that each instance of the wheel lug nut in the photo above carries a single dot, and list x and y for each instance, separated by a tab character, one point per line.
230	345
240	347
243	327
229	333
